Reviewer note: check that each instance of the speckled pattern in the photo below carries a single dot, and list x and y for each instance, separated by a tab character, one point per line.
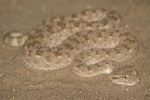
57	41
92	42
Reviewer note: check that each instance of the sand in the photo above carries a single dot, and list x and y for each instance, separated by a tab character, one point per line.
19	82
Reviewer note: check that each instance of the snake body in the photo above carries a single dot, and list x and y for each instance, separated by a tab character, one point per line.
92	42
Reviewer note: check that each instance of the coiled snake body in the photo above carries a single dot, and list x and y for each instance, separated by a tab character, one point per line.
92	42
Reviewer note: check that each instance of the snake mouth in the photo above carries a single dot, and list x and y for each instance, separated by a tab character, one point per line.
117	77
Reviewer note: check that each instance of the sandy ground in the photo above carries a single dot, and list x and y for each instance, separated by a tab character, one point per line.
18	82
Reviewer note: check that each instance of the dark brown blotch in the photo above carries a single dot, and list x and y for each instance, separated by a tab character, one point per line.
68	54
69	46
83	13
89	68
89	24
93	11
118	52
62	18
77	24
48	59
39	52
51	31
57	53
88	54
74	16
77	60
86	37
62	25
111	34
75	40
105	22
126	47
108	53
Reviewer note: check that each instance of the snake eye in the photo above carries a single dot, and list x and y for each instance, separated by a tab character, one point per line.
125	77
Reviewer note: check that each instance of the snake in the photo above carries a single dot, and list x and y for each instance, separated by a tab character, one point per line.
92	42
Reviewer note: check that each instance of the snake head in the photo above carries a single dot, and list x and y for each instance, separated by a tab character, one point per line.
126	75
